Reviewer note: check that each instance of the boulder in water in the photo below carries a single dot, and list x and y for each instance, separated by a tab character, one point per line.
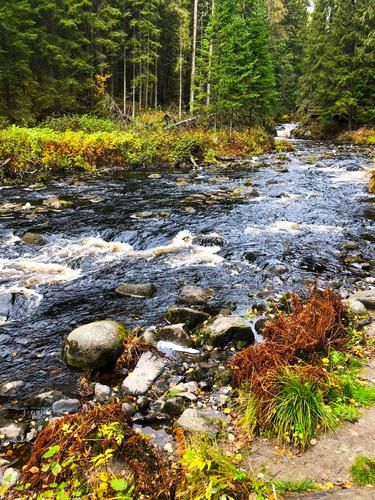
33	239
94	345
191	317
142	290
226	328
195	295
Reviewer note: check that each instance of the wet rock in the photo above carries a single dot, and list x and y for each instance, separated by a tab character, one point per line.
33	239
175	333
194	420
142	290
195	295
280	169
56	204
278	269
148	369
11	388
44	399
251	256
154	176
6	303
149	335
65	406
367	298
191	317
173	407
226	328
209	240
102	392
94	345
144	215
12	431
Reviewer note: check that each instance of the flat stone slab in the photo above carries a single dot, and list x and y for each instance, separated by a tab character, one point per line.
149	367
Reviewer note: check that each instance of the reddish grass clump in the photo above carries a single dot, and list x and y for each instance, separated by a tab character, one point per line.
133	348
311	326
80	438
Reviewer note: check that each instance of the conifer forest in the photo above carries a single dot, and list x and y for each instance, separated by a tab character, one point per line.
187	286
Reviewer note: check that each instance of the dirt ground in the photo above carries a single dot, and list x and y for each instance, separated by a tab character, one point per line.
329	460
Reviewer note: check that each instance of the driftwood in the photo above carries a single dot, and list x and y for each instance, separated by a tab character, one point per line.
116	110
190	122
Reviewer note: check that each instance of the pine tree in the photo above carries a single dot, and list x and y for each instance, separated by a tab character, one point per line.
338	82
17	34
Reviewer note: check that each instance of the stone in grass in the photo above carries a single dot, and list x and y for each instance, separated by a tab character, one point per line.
10	478
191	317
149	367
94	345
142	290
65	406
227	328
194	420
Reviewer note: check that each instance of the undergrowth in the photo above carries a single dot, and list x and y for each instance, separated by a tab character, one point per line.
95	453
74	144
304	377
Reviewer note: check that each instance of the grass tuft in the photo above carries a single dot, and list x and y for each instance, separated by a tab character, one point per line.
363	471
298	410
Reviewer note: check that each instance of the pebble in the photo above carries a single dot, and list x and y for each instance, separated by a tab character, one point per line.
102	392
11	388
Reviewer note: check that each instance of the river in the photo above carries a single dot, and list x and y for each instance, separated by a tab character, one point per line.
248	233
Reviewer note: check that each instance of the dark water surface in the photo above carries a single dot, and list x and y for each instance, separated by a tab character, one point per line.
292	234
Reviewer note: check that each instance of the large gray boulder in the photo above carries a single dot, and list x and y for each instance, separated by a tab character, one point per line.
149	367
194	420
191	317
94	345
227	328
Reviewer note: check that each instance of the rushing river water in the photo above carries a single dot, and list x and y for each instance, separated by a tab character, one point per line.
208	228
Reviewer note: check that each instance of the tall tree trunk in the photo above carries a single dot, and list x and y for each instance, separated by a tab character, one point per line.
180	72
210	53
125	89
156	82
193	56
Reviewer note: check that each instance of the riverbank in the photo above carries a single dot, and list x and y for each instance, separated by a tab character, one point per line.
146	250
74	145
214	432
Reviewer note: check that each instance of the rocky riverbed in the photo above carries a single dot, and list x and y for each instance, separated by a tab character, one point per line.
189	260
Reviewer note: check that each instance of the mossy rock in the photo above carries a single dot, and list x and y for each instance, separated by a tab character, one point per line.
94	345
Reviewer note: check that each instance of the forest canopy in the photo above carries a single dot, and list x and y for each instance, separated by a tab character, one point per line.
233	62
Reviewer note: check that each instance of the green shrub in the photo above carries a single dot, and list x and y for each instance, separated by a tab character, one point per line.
298	410
363	471
84	123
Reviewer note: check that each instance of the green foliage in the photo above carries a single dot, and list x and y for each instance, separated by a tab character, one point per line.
363	471
298	410
86	143
246	407
337	84
212	473
235	64
294	486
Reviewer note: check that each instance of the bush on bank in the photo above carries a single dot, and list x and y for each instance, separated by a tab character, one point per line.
77	144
